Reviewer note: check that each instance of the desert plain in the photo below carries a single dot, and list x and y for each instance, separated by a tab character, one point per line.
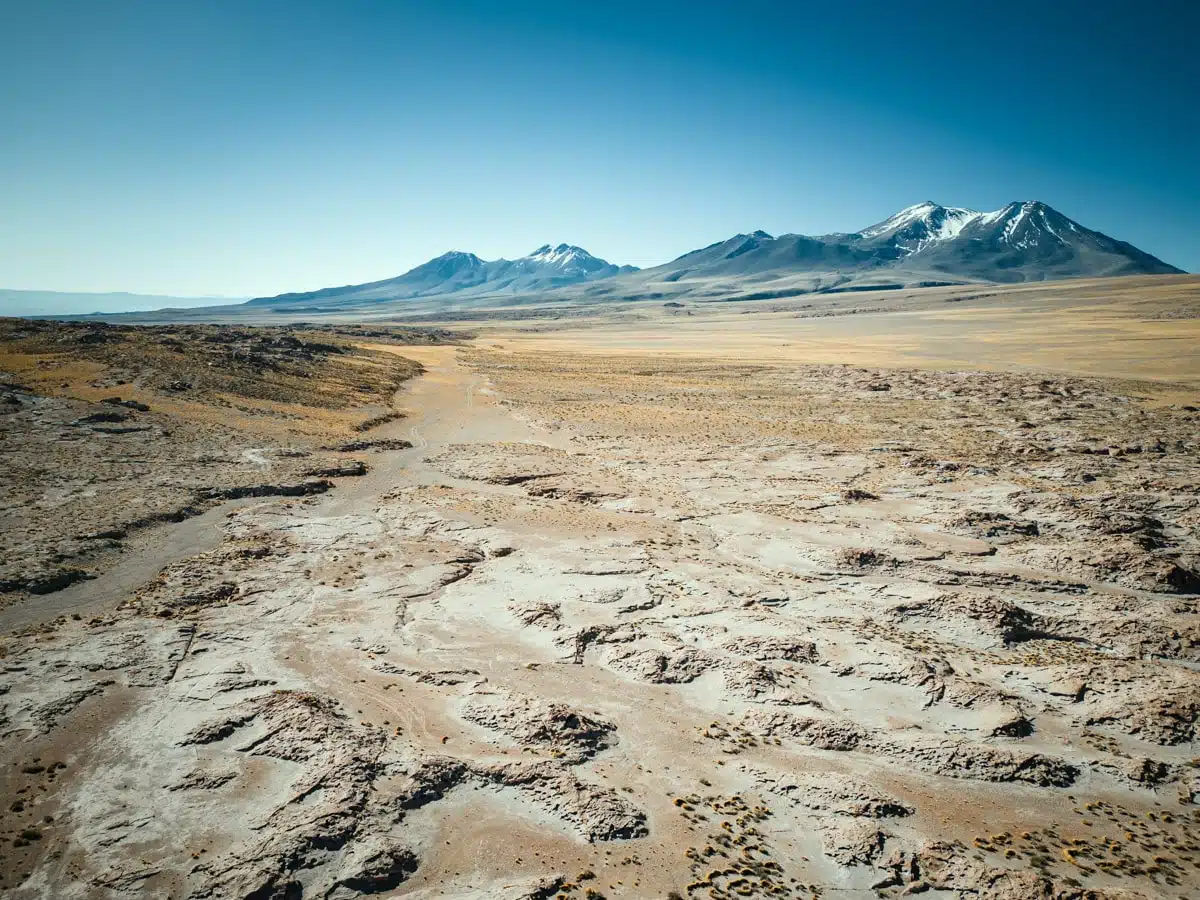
891	594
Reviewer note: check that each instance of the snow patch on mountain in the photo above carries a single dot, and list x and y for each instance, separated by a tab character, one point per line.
992	218
905	217
920	227
1010	227
952	223
563	256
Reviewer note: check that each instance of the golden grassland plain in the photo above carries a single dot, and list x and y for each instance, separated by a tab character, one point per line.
1135	328
233	376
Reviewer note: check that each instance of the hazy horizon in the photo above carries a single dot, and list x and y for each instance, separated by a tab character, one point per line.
255	149
82	303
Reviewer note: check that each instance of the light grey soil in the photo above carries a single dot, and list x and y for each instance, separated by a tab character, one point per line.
634	627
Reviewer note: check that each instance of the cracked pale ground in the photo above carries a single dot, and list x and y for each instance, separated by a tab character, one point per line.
631	625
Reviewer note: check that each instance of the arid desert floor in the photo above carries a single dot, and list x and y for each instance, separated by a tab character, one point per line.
720	608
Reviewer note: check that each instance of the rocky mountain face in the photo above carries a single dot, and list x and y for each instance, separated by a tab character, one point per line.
457	272
1025	241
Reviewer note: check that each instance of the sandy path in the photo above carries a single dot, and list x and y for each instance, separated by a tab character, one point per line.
141	561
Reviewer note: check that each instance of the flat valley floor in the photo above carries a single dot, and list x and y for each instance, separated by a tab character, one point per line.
624	616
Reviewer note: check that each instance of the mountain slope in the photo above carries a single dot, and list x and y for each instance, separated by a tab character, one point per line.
1027	241
758	256
465	273
1030	242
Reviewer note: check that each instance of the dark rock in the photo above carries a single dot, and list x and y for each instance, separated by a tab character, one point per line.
377	444
302	489
128	404
854	494
1150	772
46	582
374	865
94	418
377	421
345	470
121	429
1016	727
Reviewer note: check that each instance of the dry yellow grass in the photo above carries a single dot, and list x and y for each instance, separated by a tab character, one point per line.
320	394
1145	328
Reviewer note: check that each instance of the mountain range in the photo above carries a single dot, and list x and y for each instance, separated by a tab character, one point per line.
1021	242
457	272
923	244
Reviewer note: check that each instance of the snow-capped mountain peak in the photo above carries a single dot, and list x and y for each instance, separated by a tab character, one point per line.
1022	224
907	216
1025	224
452	263
562	256
916	227
458	257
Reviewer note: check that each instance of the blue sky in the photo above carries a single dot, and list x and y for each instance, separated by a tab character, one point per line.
249	148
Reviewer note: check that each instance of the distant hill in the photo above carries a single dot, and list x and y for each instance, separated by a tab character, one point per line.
457	272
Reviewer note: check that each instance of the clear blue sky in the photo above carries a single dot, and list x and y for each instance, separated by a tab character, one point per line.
248	148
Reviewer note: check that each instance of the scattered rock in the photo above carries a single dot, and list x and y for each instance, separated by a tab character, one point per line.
345	470
852	843
550	727
378	444
302	489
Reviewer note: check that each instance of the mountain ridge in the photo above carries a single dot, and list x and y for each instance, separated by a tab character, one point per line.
1022	241
457	271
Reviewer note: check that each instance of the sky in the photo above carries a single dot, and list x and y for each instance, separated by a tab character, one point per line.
250	148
